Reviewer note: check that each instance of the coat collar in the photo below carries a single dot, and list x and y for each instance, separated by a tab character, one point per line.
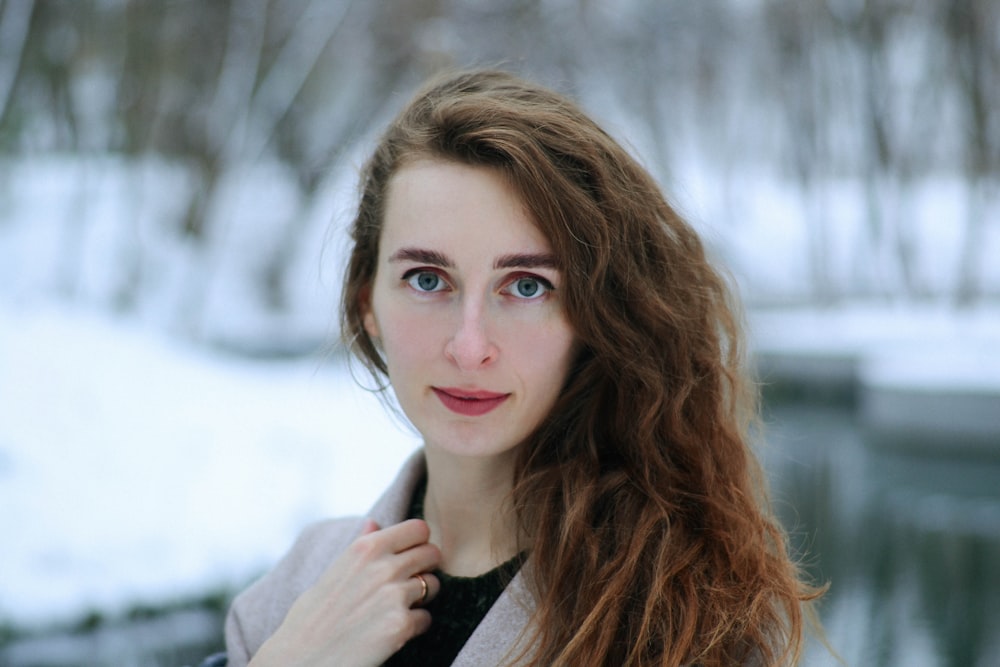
503	631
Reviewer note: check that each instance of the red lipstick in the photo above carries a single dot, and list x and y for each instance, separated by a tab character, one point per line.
469	402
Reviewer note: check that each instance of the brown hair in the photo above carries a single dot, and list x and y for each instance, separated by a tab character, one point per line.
644	510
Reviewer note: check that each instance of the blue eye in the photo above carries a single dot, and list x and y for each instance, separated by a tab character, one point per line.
529	287
425	281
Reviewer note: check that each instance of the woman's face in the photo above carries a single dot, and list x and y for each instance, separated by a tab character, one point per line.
467	310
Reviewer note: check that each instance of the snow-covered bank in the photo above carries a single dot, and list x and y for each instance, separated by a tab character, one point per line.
921	375
932	346
133	469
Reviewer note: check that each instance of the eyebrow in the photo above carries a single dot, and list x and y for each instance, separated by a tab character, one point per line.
543	260
422	256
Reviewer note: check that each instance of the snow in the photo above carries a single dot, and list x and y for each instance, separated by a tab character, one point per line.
137	467
133	468
90	228
927	347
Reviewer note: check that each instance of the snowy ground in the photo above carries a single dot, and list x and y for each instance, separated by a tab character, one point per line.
133	469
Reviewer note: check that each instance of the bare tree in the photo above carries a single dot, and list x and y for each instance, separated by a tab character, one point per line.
843	89
801	42
972	27
15	19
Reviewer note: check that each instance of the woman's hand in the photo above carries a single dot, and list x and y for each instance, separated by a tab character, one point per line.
364	607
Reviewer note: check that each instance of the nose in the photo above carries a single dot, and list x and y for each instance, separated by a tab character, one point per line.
471	347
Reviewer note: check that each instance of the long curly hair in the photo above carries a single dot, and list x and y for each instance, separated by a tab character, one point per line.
644	510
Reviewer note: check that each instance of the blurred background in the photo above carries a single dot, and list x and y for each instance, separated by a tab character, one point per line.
175	182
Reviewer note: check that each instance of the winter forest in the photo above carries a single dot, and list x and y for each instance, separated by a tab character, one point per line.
856	136
176	177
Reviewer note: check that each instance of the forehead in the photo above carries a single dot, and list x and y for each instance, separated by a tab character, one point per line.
456	207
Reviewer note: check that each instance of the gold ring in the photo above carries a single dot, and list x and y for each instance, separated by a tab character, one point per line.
423	588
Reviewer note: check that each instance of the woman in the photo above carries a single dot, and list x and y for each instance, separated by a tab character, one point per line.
586	493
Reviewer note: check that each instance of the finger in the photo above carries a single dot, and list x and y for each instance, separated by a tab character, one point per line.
406	535
416	622
389	541
424	591
421	558
421	621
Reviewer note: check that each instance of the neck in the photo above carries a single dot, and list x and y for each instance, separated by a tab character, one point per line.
467	512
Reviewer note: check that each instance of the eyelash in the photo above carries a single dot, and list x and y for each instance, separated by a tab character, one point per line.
545	285
411	276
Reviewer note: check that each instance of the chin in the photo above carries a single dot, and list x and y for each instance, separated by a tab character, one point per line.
471	446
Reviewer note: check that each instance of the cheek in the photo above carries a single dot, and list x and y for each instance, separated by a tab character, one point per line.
562	358
548	355
406	337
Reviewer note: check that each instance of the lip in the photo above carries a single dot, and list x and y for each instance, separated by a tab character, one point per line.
469	402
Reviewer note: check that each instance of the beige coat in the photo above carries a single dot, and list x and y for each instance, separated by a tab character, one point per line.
258	611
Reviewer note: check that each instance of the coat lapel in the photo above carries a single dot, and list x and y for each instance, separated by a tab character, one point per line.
499	637
501	634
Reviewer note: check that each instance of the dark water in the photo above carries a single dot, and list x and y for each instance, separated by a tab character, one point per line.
161	638
909	544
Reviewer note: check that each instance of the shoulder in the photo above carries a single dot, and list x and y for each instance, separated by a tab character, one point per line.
258	611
